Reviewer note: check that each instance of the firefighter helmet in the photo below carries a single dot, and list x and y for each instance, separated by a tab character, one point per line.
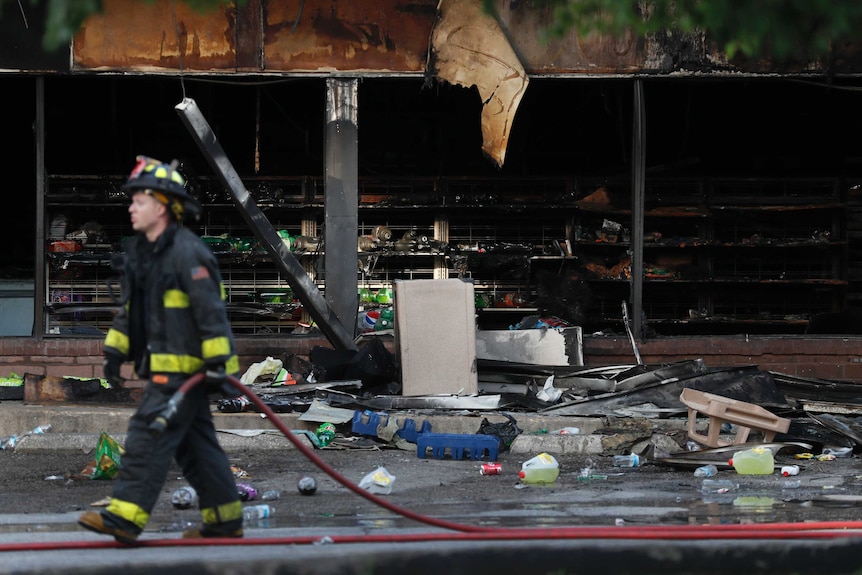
165	183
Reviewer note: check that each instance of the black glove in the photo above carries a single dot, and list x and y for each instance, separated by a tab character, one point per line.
111	367
216	381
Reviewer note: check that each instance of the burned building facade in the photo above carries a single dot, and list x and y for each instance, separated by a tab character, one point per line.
719	199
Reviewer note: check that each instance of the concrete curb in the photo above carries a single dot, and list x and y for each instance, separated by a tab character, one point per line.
86	443
76	429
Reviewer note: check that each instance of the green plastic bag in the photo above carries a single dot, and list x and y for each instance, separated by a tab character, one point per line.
109	455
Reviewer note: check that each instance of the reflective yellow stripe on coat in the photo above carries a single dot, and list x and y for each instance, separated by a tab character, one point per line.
172	363
175	299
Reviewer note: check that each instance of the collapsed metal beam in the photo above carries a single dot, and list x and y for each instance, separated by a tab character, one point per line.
304	288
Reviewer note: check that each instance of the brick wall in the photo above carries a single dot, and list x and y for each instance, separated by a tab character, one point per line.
825	357
83	357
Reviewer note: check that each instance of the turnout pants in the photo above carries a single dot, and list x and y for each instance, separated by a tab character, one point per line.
190	439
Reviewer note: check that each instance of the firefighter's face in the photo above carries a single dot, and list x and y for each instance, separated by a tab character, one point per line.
146	212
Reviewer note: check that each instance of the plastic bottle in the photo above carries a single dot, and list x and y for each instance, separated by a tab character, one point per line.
706	471
382	233
384	296
360	321
8	442
184	497
754	461
838	451
630	460
788	470
246	492
541	469
39	430
386	319
253	512
270	495
371	317
366	295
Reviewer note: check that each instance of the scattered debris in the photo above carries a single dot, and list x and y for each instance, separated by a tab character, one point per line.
108	460
378	481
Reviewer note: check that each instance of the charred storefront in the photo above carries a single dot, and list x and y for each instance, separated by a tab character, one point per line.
719	200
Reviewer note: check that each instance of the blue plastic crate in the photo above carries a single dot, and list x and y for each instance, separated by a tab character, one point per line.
457	444
366	422
407	429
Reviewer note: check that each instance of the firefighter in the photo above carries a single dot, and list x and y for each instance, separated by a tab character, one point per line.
172	324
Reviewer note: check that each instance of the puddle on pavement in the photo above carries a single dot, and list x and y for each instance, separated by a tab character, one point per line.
627	507
735	508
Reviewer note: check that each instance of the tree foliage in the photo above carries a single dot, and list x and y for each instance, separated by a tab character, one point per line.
780	29
776	28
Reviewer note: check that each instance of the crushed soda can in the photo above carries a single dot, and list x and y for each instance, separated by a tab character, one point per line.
325	434
491	469
307	485
246	492
184	497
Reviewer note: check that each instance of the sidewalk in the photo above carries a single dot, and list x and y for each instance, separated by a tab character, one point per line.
77	427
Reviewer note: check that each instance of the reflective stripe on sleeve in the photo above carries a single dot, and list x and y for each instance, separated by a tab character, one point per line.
118	340
231	366
175	298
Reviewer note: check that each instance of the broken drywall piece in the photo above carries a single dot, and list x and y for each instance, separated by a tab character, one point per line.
469	48
543	346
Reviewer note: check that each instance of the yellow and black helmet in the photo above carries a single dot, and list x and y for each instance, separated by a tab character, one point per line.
165	183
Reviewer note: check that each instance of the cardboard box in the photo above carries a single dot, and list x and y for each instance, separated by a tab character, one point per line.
435	335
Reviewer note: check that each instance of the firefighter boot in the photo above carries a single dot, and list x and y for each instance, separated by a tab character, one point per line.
102	523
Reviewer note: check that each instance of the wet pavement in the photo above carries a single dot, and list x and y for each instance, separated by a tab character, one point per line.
594	518
574	525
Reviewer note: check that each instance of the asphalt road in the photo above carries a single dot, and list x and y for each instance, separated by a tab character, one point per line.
652	518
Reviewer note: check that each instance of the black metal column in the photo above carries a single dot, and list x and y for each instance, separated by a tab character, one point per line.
638	191
341	171
39	276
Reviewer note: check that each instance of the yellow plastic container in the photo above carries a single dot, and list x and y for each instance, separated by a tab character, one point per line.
754	461
541	469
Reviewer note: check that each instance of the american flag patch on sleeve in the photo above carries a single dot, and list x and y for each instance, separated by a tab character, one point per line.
200	273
